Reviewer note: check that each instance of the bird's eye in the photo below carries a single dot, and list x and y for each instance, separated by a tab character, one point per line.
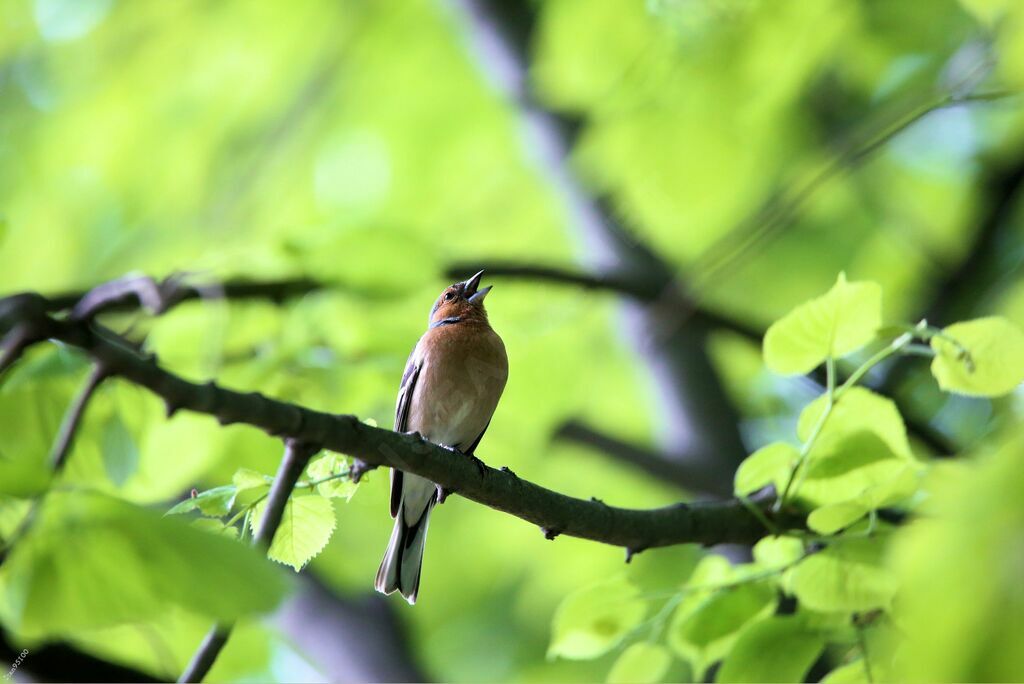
449	296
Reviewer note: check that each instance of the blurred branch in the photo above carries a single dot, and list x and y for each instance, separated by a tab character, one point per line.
73	419
376	648
296	456
601	282
131	292
655	462
957	294
62	662
552	274
780	210
662	466
699	421
704	523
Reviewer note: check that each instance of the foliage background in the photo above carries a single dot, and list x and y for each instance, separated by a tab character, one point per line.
360	143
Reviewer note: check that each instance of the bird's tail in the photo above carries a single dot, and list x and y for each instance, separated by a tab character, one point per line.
400	569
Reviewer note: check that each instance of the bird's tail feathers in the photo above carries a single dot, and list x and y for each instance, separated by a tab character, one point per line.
403	561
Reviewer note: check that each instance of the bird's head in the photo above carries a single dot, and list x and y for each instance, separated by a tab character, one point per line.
460	302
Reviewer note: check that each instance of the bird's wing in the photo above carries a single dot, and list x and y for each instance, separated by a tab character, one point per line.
405	392
472	447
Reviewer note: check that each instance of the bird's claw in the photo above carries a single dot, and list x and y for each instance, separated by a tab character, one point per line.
506	469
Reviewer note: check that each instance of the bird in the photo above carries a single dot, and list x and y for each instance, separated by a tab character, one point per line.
452	382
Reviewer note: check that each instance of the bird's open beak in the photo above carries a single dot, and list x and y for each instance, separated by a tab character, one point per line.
472	293
480	294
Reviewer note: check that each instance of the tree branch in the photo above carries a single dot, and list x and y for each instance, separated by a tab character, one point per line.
662	466
63	662
699	421
703	523
69	426
296	456
645	458
131	292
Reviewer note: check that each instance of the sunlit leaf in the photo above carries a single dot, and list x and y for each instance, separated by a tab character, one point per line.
120	454
844	576
857	410
335	467
92	561
778	649
850	673
250	485
593	620
768	465
641	663
213	503
216	527
708	622
834	517
778	552
306	527
986	359
833	325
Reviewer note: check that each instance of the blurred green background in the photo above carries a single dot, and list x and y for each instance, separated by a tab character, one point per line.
369	145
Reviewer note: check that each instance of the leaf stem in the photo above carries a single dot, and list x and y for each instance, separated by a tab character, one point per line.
805	450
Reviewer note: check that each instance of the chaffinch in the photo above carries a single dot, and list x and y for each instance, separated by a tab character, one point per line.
450	388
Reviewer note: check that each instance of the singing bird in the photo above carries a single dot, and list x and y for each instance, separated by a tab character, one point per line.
450	388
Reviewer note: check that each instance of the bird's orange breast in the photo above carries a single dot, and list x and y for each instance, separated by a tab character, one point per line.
463	370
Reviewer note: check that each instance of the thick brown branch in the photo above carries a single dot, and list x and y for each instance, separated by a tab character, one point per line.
703	523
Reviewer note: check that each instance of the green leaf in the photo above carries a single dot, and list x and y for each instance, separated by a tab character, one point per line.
708	621
250	485
215	526
881	484
593	620
768	465
834	517
92	561
777	649
641	663
988	11
216	502
24	477
993	364
120	454
833	325
857	410
859	467
306	527
851	673
778	552
213	503
330	465
846	576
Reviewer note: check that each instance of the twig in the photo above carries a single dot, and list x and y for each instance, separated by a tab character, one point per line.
14	344
132	292
554	274
724	254
69	426
673	468
296	456
706	523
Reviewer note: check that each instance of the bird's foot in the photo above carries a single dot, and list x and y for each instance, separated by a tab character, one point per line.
506	469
